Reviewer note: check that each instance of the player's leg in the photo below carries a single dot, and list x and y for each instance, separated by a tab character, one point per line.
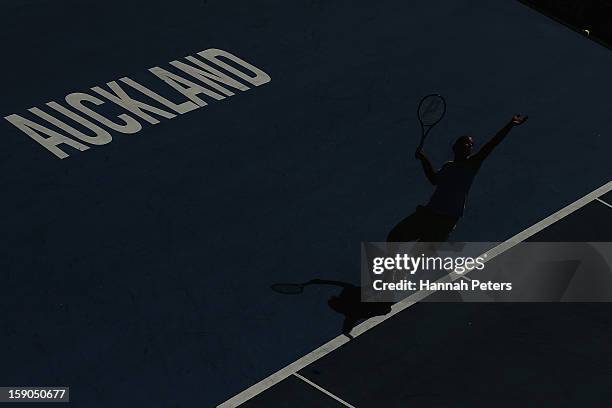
438	228
408	229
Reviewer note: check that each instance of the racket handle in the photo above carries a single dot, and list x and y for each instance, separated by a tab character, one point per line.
419	147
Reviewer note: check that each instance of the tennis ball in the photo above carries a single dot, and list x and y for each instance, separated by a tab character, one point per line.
586	31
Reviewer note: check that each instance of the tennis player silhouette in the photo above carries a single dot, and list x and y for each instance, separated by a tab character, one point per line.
435	221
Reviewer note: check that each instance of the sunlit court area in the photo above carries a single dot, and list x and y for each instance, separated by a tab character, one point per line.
306	203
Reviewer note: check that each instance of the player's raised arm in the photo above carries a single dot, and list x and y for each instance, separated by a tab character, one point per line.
486	150
430	173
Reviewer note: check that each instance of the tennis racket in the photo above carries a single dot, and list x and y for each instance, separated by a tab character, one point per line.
288	288
431	111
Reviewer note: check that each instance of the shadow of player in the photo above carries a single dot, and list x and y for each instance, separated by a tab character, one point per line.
348	303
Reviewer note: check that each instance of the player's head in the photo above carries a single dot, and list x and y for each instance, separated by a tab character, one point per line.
463	147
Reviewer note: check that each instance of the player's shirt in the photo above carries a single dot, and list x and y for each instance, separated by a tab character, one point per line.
453	184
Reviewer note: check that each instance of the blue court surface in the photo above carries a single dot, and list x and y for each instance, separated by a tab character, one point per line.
464	354
137	271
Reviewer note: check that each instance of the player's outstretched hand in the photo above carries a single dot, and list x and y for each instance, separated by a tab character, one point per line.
519	119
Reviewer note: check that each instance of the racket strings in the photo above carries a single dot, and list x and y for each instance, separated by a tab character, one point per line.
431	110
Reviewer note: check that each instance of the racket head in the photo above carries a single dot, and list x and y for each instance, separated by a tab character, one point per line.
288	288
431	109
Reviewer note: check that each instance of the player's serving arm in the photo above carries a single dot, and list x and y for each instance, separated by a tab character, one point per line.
485	150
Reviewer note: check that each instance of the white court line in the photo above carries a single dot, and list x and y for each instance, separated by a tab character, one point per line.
603	202
358	330
323	390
